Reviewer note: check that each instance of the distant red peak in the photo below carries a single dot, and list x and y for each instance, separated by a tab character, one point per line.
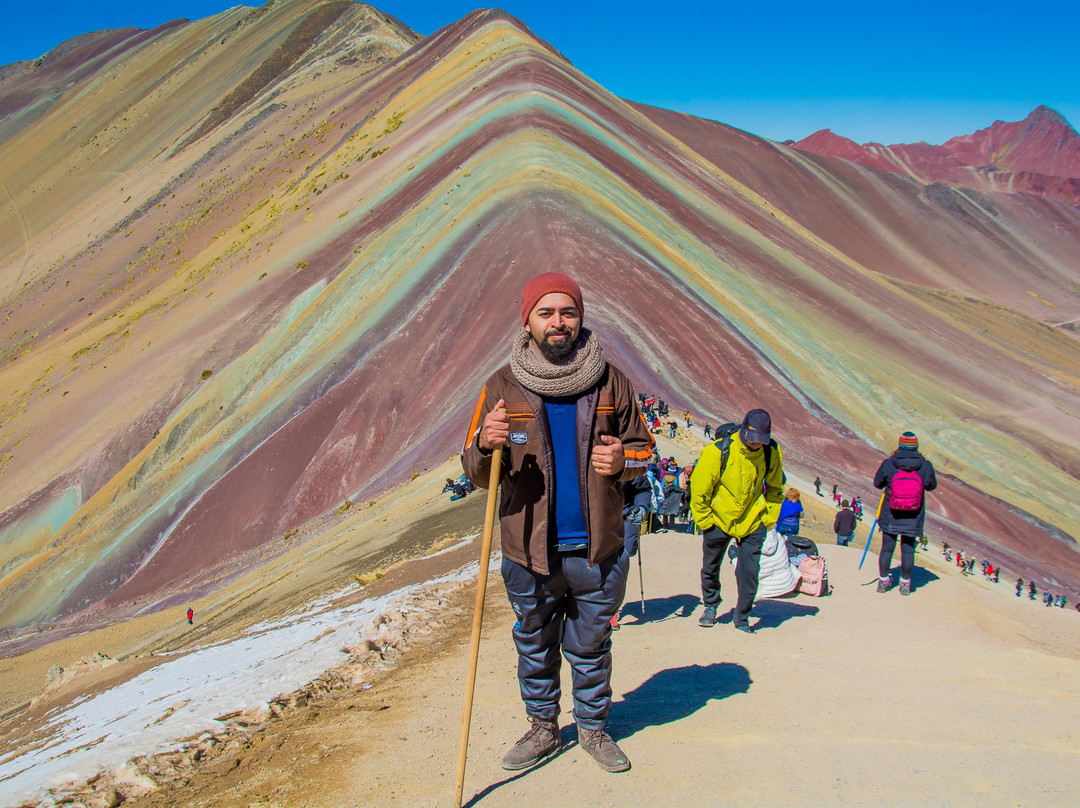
1043	114
827	142
824	137
1043	145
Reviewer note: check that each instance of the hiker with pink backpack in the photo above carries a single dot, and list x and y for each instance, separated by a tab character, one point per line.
905	476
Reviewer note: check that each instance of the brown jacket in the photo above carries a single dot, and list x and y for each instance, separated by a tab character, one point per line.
608	408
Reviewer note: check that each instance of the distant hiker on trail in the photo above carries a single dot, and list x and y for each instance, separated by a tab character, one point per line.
906	475
1019	586
672	428
844	525
656	491
191	616
458	488
1031	590
572	433
708	431
791	511
735	493
672	504
817	485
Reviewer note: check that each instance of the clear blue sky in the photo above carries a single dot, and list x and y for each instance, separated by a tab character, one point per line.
891	73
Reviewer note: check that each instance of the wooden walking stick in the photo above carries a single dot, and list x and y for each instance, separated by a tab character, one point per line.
478	614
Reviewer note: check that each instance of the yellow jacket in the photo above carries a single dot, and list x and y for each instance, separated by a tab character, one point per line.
742	498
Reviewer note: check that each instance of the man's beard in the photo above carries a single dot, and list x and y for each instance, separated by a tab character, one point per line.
556	351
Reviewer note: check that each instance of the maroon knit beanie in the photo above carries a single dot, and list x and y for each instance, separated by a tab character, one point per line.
546	284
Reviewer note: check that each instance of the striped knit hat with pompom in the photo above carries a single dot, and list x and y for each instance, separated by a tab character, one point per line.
908	441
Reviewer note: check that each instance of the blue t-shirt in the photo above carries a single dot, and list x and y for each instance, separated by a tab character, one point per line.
570	529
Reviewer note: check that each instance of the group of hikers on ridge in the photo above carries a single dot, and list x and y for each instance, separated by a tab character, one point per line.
573	439
1048	598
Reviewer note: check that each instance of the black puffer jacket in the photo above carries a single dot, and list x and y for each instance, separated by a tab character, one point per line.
673	499
904	523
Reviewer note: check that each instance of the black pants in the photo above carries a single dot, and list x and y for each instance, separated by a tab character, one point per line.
714	546
566	614
907	555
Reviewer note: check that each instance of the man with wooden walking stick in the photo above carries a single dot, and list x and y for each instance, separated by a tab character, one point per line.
571	431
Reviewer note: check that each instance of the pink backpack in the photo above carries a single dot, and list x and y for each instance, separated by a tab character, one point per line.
814	576
905	491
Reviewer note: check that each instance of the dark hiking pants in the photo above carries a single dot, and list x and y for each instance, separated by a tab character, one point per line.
569	609
714	545
907	555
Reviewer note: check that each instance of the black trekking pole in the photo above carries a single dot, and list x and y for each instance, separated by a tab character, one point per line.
641	577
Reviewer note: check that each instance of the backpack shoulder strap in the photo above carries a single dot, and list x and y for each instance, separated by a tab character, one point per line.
723	442
768	455
724	445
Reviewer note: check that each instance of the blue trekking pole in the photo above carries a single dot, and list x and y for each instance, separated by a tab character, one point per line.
876	517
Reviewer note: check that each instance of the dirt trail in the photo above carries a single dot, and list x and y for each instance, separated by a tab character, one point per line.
957	693
943	697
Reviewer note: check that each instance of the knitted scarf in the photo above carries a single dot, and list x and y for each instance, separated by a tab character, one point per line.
569	377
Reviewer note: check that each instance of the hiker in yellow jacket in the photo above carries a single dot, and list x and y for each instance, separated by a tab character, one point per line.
735	493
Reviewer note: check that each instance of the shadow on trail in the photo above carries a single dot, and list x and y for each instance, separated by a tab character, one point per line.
920	576
772	613
670	695
658	610
673	694
518	775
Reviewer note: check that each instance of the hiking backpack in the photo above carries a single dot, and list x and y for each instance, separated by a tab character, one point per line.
801	545
723	443
905	491
814	577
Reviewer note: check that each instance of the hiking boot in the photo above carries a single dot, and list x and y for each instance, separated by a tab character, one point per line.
615	623
884	584
535	746
905	587
708	617
745	627
603	750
